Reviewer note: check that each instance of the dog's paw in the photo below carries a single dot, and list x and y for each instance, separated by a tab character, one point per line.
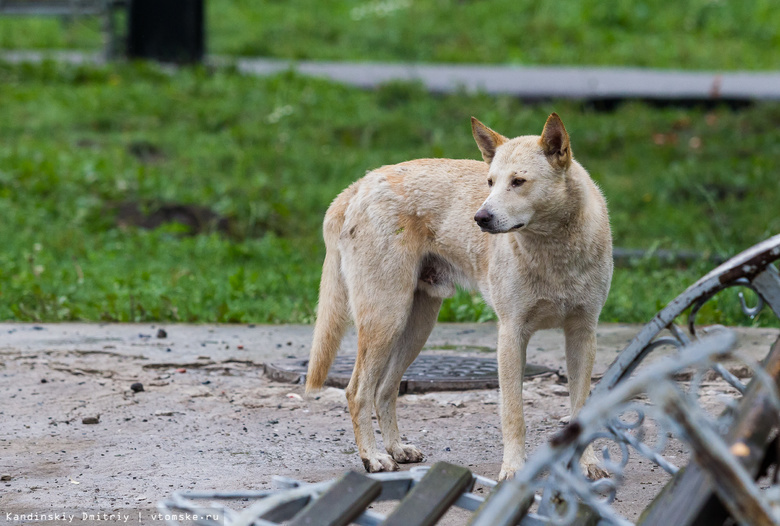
508	472
565	420
405	454
379	462
589	465
594	472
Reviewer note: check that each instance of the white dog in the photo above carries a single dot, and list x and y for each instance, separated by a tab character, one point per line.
527	228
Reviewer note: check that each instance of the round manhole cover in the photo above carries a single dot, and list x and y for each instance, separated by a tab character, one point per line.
429	372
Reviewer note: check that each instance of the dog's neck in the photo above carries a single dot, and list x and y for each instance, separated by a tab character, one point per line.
563	223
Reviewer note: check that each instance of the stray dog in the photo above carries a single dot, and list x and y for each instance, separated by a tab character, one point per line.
538	249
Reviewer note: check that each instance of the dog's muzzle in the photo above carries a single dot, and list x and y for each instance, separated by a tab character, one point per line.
483	219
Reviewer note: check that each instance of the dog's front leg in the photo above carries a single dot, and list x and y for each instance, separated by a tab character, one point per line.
580	355
512	343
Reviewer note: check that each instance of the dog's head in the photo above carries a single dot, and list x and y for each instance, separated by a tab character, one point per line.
527	175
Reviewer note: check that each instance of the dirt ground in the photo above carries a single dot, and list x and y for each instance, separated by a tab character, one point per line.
208	419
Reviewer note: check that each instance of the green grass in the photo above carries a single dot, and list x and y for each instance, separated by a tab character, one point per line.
695	34
269	154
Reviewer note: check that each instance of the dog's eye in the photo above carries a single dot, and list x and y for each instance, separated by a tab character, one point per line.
490	182
517	181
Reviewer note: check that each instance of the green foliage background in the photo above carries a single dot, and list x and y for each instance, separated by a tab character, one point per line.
269	154
696	34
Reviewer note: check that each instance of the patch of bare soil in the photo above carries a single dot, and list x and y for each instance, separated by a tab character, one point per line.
78	435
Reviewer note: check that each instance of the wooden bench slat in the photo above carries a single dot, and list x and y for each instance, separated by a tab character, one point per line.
432	496
341	504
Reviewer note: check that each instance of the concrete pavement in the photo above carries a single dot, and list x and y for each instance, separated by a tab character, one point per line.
191	344
79	437
527	82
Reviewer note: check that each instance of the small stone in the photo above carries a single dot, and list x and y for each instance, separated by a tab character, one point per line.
44	381
91	420
137	387
161	333
6	478
182	370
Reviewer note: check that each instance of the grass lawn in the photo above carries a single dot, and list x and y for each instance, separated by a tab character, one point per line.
267	155
694	34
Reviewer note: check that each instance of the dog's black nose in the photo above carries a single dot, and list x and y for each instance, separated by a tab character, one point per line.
483	217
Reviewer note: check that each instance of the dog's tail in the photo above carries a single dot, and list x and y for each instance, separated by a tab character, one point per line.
333	308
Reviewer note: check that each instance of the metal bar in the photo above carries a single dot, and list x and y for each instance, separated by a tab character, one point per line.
369	518
268	505
533	519
395	488
469	501
732	380
190	495
755	263
644	450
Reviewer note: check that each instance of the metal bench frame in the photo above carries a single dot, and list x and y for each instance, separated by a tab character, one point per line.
272	507
752	269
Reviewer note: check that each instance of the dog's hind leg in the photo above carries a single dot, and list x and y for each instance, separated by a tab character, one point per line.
379	327
422	318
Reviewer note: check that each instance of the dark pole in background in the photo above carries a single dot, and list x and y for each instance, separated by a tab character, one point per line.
166	30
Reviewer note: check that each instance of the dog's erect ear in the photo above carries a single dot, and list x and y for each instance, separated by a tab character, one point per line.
487	139
555	142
